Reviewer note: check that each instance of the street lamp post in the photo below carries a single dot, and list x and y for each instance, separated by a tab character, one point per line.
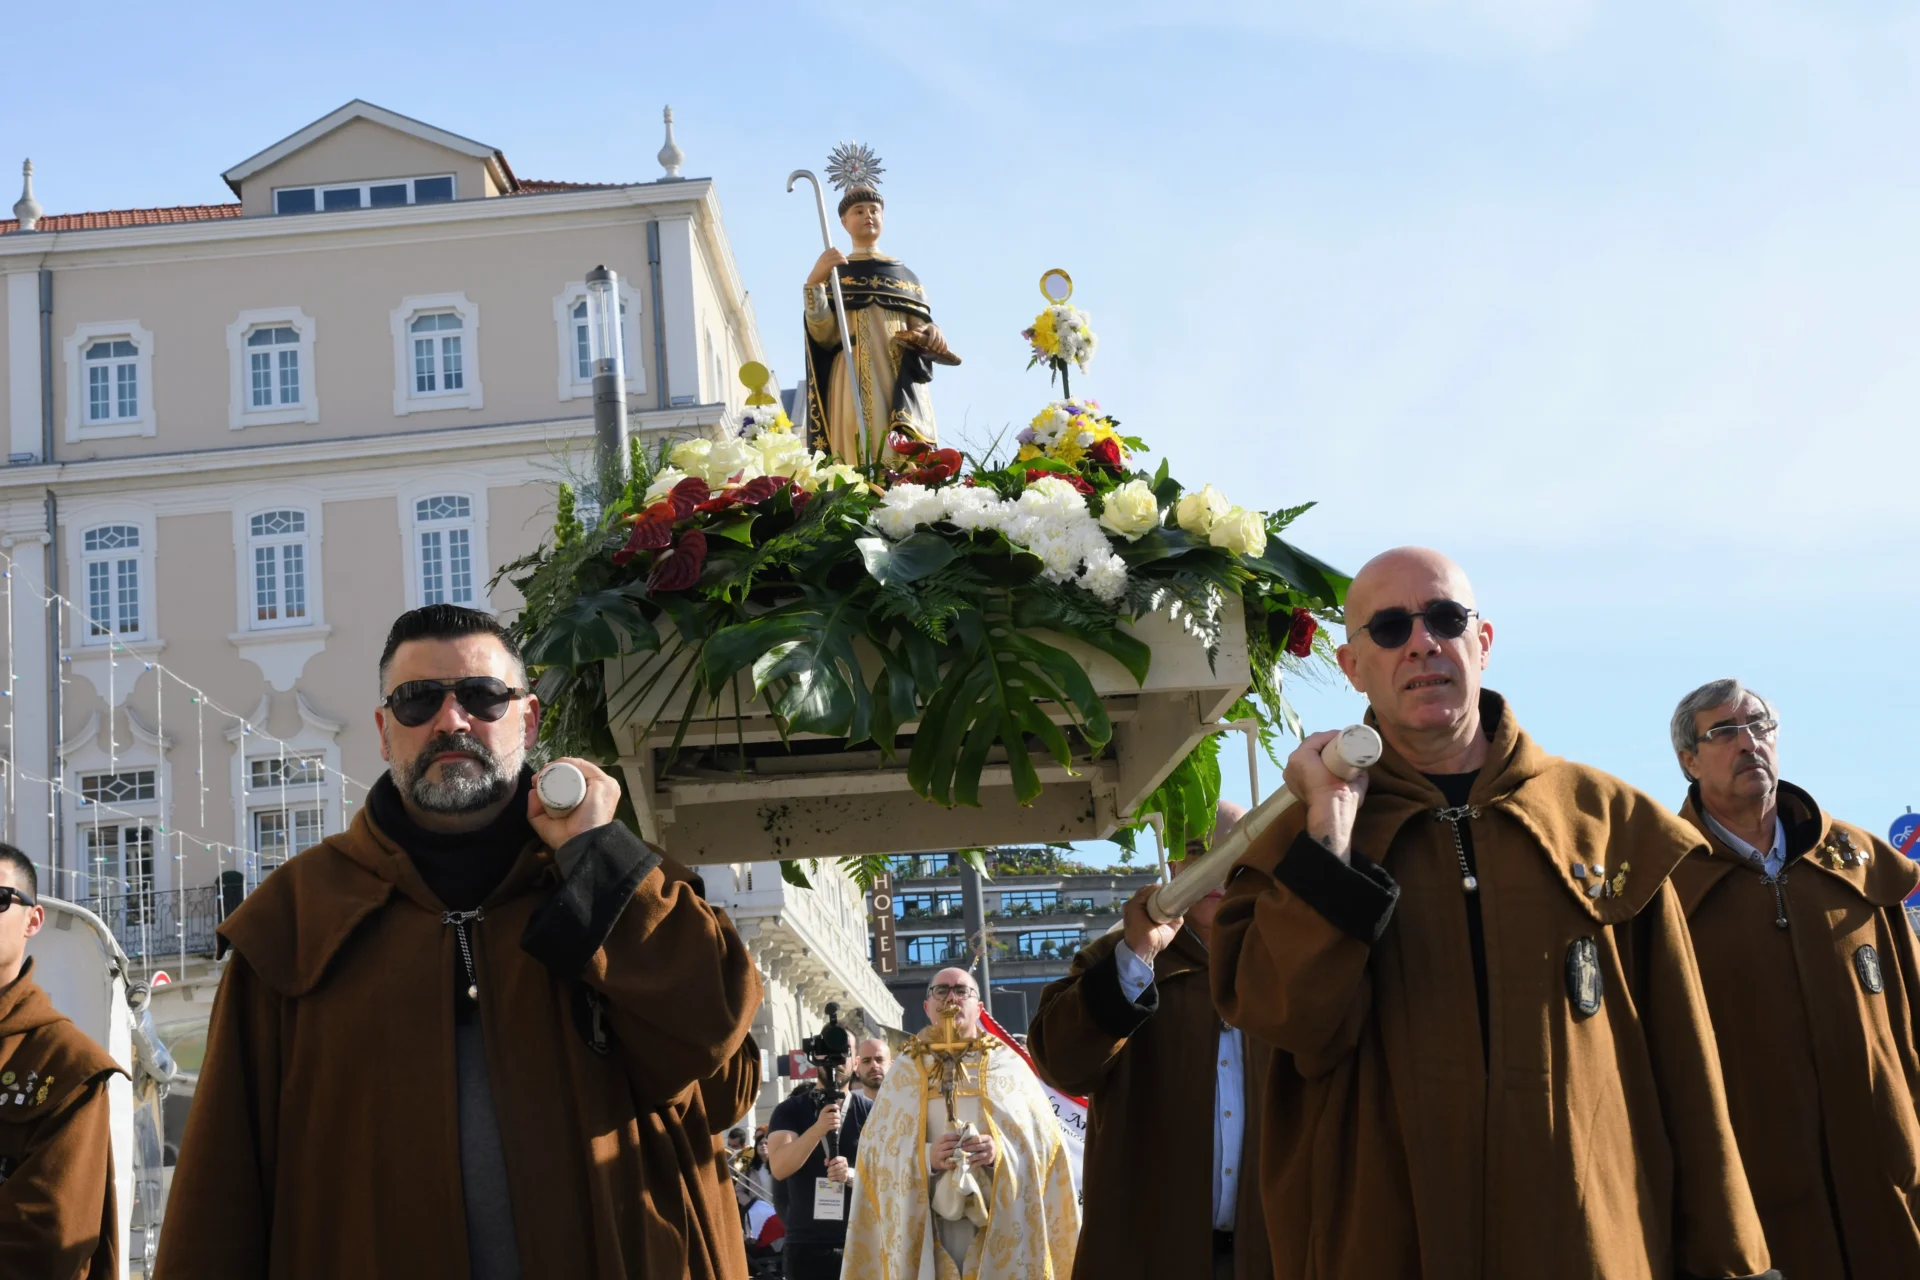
607	354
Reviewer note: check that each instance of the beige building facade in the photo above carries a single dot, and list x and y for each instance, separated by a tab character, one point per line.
242	438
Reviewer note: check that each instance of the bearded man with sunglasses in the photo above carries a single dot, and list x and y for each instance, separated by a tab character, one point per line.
468	1038
58	1219
1810	968
1497	1062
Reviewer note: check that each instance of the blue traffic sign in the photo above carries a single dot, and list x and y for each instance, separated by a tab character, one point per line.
1902	831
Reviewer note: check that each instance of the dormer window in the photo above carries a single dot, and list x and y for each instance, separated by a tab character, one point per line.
364	195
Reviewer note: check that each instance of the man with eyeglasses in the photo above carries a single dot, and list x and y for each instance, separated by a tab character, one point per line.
1133	1028
1496	1057
58	1218
958	1098
1811	971
468	1037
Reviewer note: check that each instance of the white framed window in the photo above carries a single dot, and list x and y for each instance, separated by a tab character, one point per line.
271	369
277	552
570	325
443	539
384	193
278	834
109	381
110	580
287	796
436	354
445	520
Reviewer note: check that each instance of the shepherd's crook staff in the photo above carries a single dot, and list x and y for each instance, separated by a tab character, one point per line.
839	311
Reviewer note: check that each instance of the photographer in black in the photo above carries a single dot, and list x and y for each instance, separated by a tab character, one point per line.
812	1142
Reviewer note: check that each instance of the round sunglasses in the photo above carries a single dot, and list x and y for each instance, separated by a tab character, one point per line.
1445	619
482	697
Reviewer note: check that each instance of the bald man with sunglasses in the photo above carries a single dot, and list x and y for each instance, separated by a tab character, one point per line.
468	1038
1496	1057
58	1216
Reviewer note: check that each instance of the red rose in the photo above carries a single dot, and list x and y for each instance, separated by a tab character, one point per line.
1106	453
1300	634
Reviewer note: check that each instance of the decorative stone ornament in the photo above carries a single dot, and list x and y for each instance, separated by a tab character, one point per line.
27	209
1584	985
1866	962
671	157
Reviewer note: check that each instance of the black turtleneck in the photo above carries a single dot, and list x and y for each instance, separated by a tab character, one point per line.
1456	787
462	869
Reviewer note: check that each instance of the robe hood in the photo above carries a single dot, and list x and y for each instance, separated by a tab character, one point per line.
37	1039
1814	840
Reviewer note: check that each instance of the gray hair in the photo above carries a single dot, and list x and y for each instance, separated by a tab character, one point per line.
1714	693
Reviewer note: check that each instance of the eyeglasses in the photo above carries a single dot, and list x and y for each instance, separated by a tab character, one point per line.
957	992
1445	619
1762	731
10	895
482	697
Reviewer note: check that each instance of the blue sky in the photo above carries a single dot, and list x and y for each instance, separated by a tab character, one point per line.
1618	303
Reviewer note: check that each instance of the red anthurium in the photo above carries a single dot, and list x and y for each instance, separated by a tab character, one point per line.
1106	453
680	568
908	448
948	458
652	529
720	501
687	495
800	498
756	491
1300	634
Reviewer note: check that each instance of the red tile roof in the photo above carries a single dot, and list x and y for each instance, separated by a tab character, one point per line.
215	212
127	218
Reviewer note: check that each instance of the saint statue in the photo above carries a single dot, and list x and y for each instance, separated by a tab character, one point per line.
963	1171
895	341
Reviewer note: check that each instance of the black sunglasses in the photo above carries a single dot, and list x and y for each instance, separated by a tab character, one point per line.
1445	619
10	895
482	697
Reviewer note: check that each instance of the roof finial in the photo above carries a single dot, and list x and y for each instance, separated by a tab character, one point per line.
27	209
671	157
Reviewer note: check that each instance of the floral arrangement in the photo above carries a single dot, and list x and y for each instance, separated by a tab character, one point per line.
764	561
759	418
1060	336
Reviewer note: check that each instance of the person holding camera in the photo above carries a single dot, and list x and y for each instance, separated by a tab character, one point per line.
815	1185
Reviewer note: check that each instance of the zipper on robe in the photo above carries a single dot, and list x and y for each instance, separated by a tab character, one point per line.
459	920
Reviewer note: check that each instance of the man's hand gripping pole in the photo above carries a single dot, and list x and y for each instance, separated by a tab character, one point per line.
1357	747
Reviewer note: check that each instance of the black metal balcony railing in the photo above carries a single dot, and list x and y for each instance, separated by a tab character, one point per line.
147	924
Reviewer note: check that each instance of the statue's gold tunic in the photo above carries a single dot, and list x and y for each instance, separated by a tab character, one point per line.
873	329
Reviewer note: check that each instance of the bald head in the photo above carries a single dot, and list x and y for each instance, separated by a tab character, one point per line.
1396	576
871	1058
1424	687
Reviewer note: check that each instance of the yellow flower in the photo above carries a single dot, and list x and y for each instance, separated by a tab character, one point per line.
1240	531
1028	452
1199	509
1044	336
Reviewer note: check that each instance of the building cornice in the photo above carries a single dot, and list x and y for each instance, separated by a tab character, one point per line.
340	453
661	196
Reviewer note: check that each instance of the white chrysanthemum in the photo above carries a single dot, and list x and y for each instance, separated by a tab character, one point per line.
905	508
1107	578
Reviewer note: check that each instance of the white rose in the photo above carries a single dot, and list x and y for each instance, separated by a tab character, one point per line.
663	482
691	455
730	458
1198	510
1131	510
832	476
781	454
1240	531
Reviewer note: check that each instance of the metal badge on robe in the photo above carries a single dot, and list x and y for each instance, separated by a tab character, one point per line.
1584	985
16	1091
1866	962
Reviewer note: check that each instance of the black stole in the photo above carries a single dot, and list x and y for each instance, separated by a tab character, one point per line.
871	282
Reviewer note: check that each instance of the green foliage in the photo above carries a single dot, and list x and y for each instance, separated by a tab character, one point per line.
1187	801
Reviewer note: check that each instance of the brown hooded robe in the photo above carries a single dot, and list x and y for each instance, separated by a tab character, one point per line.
1589	1140
1815	1022
58	1216
324	1138
1147	1071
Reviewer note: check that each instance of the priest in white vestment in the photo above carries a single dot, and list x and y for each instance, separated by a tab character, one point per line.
963	1174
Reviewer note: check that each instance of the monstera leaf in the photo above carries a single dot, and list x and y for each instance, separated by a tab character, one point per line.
593	628
803	654
993	694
